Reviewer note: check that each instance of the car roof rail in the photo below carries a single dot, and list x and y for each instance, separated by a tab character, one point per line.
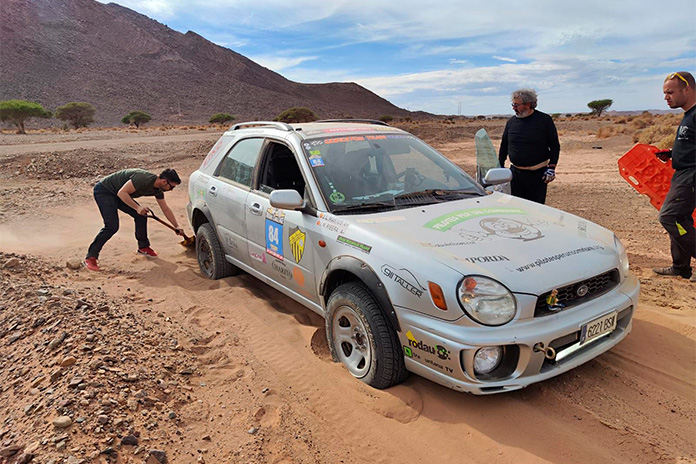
360	121
275	124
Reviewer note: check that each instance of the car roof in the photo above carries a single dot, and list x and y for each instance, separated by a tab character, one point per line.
318	128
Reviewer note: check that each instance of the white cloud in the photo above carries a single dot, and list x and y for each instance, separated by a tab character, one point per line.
503	58
456	61
278	63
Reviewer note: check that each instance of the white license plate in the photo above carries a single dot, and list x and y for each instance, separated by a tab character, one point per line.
598	327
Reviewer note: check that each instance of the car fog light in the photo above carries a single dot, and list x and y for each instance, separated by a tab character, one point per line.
487	359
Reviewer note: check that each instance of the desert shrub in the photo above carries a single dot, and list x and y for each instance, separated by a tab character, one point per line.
18	111
77	114
221	118
297	114
660	135
386	118
136	118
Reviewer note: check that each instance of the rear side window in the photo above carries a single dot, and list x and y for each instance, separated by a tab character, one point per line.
238	164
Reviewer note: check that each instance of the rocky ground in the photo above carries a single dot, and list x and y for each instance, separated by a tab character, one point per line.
147	362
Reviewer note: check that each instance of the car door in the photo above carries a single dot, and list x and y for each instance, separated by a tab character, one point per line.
227	193
280	241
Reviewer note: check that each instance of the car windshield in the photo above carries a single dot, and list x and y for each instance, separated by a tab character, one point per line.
373	172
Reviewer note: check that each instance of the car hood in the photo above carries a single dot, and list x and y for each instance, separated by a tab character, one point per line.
526	246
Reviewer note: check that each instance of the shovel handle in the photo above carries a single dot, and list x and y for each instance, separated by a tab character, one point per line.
152	215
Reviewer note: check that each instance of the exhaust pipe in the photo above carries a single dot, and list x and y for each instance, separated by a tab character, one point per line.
549	352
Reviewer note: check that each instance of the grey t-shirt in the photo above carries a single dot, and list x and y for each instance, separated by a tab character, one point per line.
143	181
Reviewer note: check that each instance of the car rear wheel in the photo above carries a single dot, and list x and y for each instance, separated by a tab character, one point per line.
361	337
211	257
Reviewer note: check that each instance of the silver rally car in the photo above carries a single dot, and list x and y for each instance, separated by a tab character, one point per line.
413	265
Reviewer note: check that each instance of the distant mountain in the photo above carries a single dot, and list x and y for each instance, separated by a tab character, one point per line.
59	51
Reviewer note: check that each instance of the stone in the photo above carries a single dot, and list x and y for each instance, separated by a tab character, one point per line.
160	456
11	450
129	440
68	361
74	264
62	422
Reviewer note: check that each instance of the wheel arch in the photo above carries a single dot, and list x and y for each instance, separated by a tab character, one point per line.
344	269
199	216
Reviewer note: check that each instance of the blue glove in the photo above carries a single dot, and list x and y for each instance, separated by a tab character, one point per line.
549	175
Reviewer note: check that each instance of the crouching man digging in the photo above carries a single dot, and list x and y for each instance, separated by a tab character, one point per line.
117	192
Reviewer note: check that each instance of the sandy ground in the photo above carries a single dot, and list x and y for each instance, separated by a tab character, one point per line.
153	363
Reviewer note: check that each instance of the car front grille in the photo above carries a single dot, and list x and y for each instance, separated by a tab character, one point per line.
569	296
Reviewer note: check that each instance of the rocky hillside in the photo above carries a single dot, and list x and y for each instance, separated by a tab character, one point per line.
59	51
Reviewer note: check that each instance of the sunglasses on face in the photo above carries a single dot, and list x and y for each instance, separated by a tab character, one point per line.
171	186
515	105
677	75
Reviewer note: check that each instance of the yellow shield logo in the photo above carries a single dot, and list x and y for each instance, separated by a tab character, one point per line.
297	243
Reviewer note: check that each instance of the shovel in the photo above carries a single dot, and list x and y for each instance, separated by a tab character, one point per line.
188	241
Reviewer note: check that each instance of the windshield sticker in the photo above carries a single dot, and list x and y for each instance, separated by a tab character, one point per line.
315	161
550	259
211	153
405	278
380	220
337	197
376	137
297	243
344	139
352	243
447	221
510	228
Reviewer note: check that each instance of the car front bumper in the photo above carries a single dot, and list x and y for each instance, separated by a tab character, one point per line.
443	351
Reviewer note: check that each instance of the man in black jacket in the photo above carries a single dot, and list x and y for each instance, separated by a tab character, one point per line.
676	214
531	141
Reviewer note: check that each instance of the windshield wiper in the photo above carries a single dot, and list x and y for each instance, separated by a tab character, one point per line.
365	206
439	194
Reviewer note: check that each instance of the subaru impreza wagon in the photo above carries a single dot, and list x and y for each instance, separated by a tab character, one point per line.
414	266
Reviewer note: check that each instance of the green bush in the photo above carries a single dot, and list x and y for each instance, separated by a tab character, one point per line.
78	114
386	118
18	111
221	118
136	118
598	106
297	114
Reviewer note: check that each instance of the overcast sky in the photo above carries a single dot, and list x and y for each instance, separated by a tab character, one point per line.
457	54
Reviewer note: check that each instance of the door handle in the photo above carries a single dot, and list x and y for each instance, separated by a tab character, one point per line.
213	191
255	209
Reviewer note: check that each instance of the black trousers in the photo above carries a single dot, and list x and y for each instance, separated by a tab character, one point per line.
109	204
676	217
529	185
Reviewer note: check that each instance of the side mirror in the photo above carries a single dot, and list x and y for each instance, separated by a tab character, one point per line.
497	176
287	199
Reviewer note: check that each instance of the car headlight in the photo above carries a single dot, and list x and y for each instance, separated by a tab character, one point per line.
486	301
623	257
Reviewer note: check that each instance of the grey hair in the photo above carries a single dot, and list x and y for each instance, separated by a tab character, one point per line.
527	96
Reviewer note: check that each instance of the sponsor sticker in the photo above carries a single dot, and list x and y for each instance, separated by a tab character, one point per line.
261	257
316	161
447	221
297	243
275	219
405	278
282	269
354	244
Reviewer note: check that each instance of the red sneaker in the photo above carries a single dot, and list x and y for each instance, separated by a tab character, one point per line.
147	251
91	264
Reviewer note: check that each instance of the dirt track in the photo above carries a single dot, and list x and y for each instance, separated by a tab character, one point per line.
262	361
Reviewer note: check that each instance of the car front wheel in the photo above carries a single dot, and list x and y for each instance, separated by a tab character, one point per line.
361	337
211	257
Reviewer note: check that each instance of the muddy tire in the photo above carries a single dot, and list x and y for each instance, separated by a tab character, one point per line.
361	337
211	257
